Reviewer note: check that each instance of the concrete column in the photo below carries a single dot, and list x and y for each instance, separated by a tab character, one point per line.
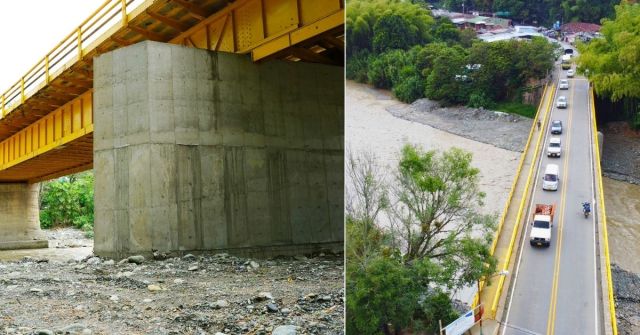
20	217
195	150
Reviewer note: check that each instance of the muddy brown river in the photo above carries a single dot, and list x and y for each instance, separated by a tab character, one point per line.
622	202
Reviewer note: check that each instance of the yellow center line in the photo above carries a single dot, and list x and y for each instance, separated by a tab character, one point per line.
556	273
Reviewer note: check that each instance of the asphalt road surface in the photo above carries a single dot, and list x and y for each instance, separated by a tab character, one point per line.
555	289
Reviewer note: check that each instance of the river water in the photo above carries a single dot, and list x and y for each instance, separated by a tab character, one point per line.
622	202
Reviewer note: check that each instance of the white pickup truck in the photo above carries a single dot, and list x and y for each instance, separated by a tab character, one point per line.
541	225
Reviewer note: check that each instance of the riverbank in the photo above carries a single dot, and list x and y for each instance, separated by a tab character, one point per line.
621	152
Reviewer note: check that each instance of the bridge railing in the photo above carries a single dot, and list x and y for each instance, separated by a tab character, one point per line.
71	48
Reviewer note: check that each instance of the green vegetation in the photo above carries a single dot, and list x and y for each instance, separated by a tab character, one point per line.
613	63
516	108
68	201
399	273
399	46
544	12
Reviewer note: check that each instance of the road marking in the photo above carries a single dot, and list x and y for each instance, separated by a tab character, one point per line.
556	272
526	225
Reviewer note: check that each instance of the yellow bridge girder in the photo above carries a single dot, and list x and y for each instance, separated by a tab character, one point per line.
266	27
46	128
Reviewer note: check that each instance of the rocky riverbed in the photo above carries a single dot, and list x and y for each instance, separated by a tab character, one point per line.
627	297
194	294
507	131
621	152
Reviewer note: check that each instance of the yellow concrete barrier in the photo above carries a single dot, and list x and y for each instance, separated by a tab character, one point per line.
596	145
496	298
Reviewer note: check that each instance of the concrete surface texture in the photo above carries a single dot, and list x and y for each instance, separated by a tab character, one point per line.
19	217
195	150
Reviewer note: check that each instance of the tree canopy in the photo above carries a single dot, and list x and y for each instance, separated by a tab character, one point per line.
398	45
544	12
399	273
613	62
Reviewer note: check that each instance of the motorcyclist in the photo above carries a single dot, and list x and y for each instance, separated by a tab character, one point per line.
586	208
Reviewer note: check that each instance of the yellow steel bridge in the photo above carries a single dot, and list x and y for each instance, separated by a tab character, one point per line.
46	120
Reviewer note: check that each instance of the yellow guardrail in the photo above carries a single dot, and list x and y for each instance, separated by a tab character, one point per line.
612	306
496	299
72	46
494	244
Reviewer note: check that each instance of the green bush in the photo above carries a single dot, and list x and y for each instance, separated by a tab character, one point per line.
410	86
477	100
357	66
68	201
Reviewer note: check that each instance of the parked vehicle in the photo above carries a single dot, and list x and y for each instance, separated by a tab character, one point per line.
541	225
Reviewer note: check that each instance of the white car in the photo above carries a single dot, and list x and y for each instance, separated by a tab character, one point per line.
554	149
562	102
564	84
570	73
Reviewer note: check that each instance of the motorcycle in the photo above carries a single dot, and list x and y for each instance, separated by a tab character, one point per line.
586	209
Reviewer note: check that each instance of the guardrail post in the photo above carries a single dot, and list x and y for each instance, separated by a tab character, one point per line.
22	97
125	19
46	68
80	43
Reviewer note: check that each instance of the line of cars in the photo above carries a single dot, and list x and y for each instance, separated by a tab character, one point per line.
543	215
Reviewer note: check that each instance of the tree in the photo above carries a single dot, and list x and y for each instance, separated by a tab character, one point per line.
366	199
383	25
68	201
614	61
436	215
389	287
446	79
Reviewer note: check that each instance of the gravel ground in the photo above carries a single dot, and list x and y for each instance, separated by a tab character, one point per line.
208	294
621	153
627	296
508	131
67	238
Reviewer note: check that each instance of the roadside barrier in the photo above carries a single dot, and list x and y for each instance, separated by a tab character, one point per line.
596	145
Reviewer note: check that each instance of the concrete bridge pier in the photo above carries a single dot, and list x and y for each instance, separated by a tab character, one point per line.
20	217
197	150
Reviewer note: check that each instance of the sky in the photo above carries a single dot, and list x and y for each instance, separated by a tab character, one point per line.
31	28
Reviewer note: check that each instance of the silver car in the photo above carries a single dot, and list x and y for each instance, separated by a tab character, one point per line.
562	102
564	84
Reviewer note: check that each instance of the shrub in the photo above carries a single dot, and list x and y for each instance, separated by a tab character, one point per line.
68	201
477	100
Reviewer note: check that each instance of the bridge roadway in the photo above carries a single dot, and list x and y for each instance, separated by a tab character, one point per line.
556	290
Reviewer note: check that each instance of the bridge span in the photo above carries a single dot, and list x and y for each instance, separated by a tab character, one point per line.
565	288
210	124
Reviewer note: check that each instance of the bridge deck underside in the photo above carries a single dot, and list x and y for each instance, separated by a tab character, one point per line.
75	156
53	84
